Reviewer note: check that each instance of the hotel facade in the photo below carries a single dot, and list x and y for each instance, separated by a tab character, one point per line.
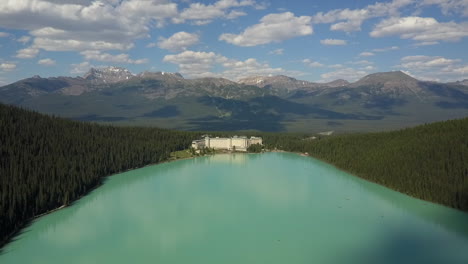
233	143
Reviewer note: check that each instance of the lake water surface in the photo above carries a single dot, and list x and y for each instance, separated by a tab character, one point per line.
244	208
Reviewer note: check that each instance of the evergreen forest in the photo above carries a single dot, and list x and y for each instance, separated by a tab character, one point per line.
47	162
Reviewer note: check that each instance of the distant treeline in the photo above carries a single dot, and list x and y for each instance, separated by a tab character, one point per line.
429	162
47	162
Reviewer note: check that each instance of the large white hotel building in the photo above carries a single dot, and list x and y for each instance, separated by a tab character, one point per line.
233	143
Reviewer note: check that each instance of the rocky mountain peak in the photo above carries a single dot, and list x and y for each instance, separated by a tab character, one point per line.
276	82
385	77
253	80
161	75
463	82
110	74
281	83
282	78
260	80
213	80
394	82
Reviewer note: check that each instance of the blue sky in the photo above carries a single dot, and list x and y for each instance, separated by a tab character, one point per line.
310	40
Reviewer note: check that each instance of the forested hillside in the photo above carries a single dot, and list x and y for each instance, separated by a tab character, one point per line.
47	162
428	162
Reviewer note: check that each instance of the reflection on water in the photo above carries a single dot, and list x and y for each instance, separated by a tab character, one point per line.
235	159
243	208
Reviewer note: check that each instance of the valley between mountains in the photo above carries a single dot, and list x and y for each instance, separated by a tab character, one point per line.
379	101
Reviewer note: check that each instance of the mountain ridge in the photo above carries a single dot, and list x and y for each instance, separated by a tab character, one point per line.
169	85
110	74
113	74
272	103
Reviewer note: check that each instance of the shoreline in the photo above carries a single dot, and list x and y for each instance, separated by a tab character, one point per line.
97	186
18	232
53	210
370	181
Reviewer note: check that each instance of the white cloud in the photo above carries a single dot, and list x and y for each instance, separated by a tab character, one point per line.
46	62
272	28
368	68
463	70
158	10
7	66
349	20
235	14
349	74
77	45
403	25
277	52
313	64
423	29
335	66
199	11
434	67
425	43
202	64
235	69
386	49
362	62
27	53
106	57
179	41
24	39
366	54
333	42
4	34
420	62
202	14
81	68
195	64
106	24
449	6
261	5
82	25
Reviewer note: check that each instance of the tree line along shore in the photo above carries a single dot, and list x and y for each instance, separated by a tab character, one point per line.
47	162
429	161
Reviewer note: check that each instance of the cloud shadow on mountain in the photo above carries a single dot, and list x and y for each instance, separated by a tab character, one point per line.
275	108
213	123
164	112
384	102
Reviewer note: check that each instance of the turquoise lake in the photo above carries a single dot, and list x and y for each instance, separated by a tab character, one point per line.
244	208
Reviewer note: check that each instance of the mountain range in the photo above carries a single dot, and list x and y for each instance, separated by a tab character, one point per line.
378	101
